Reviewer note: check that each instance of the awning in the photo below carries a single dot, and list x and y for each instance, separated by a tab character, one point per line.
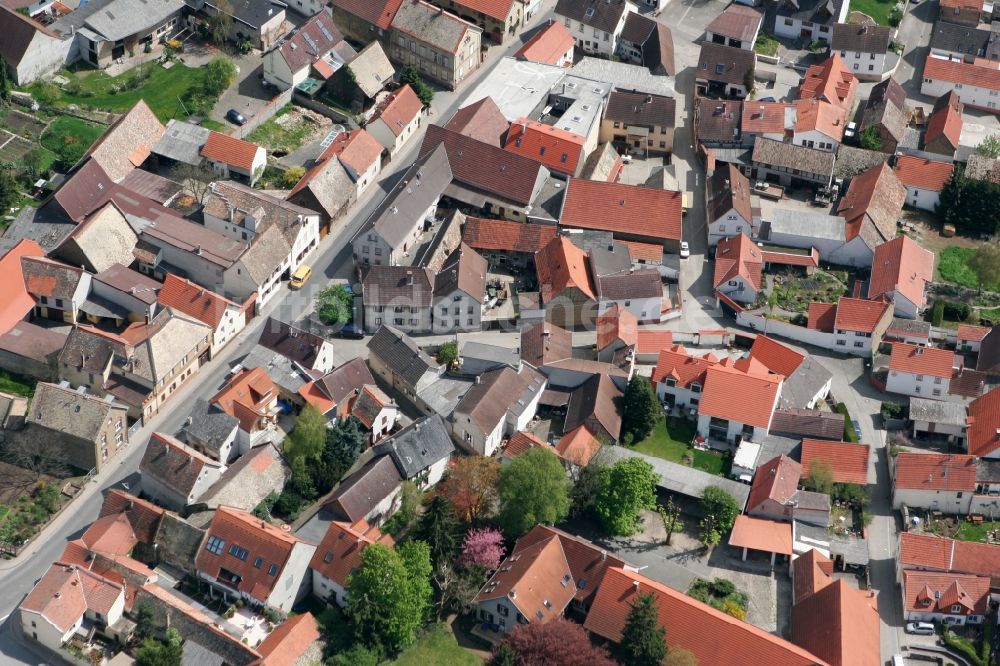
768	536
554	398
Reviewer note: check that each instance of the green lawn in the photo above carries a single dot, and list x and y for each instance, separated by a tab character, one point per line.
671	441
16	384
877	9
69	138
795	292
971	532
953	267
162	91
766	45
437	645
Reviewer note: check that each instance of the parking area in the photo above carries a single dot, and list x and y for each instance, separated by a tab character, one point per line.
248	94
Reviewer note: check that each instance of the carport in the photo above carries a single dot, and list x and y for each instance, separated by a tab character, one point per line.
767	536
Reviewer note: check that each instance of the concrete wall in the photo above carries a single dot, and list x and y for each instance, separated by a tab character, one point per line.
233	321
43	56
867	66
38	628
815	139
593	41
470	317
731	224
326	589
472	436
738	289
782	329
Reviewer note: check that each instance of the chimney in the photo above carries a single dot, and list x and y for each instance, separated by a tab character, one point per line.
197	249
409	278
604	555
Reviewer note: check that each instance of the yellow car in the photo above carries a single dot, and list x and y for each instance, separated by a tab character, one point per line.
300	277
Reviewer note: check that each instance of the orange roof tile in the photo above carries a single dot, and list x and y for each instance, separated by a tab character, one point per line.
684	368
536	579
377	12
558	149
777	480
578	446
194	300
822	316
339	553
764	117
738	256
548	46
920	360
857	314
839	624
972	333
649	252
829	80
398	109
769	536
821	116
244	530
628	210
935	471
688	622
65	592
785	258
482	234
110	535
17	302
230	150
617	323
981	74
933	592
775	356
357	150
904	267
945	120
587	562
983	432
289	641
874	199
521	442
848	462
923	173
497	9
560	266
737	396
925	551
810	574
246	396
651	341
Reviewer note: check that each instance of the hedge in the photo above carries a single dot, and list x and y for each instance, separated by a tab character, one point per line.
850	434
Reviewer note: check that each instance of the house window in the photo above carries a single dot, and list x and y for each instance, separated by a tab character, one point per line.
617	125
503	610
239	553
788	22
858	344
722	227
956	609
841	343
920	378
937	380
695	388
214	545
258	562
272	570
936	392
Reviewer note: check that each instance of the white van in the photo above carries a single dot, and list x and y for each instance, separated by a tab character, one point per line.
897	660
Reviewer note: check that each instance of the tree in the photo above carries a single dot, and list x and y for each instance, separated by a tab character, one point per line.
670	514
587	484
820	477
937	313
308	438
869	139
220	23
626	488
6	85
343	443
985	263
10	192
387	600
641	409
195	181
472	487
457	587
32	162
642	642
153	652
145	622
38	455
556	642
218	75
333	305
292	176
675	657
482	548
533	489
357	655
718	503
448	353
439	529
989	147
301	483
710	535
410	76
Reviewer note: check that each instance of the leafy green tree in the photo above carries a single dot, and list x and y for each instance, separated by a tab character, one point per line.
343	444
6	85
989	147
718	503
301	483
32	163
292	176
937	313
440	530
357	655
333	305
153	652
641	409
710	534
448	353
820	477
410	76
218	75
10	192
869	139
670	514
985	263
642	642
533	489
220	23
308	437
389	594
626	488
145	621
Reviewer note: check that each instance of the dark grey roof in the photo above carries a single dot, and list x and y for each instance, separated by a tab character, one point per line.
209	427
915	326
399	352
802	385
496	354
987	470
641	283
779	154
728	64
398	285
182	142
654	40
281	369
253	13
860	38
418	446
601	14
886	106
852	161
956	38
362	491
641	109
69	412
47	226
807	499
824	12
421	186
291	342
989	352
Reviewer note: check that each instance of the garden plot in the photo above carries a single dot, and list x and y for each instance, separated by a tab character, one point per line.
24	124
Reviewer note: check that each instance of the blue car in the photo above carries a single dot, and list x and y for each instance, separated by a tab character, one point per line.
235	117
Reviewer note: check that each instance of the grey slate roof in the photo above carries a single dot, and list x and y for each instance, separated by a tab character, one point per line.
777	153
398	285
346	380
173	463
465	270
281	369
601	14
70	412
641	283
800	223
265	254
399	352
943	412
498	354
182	142
426	22
623	76
860	38
641	109
210	427
362	491
119	19
290	341
418	446
728	64
253	13
914	326
803	384
823	12
956	38
421	185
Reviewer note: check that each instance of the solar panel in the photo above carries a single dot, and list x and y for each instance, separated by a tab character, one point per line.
309	41
325	32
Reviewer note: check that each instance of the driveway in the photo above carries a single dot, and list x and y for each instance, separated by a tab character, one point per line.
247	94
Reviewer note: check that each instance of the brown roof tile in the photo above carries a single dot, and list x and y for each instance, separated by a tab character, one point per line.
545	343
628	210
504	235
482	121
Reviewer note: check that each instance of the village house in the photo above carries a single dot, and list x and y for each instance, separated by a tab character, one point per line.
872	204
640	122
937	419
365	20
126	292
736	26
748	419
617	333
562	151
212	432
500	403
335	393
775	495
886	112
252	398
944	126
395	119
806	381
234	158
848	463
901	270
31	50
863	48
360	154
983	432
59	290
422	451
482	121
363	78
398	295
976	83
934	482
969	339
725	71
552	45
923	178
630	212
313	353
307	56
259	23
717	122
949	598
225	317
504	243
789	163
858	325
738	268
728	204
499	21
338	555
647	42
813	19
175	475
370	494
459	292
442	47
921	371
962	12
818	124
566	286
376	411
595	24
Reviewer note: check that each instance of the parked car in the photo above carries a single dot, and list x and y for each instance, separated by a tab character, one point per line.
685	250
850	130
920	628
235	117
351	331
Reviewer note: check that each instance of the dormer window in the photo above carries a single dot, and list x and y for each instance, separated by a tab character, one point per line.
670	381
696	388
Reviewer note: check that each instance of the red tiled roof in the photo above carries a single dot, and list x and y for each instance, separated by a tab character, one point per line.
398	109
738	396
920	360
578	446
972	333
482	121
963	4
946	119
110	535
629	210
684	368
928	551
848	462
558	149
785	258
856	314
548	46
263	540
769	536
933	592
935	471
535	578
904	267
521	442
377	12
65	592
482	234
339	553
289	640
764	117
617	323
560	266
689	623
839	624
775	356
230	150
983	432
982	74
777	479
587	562
497	9
829	80
821	116
649	252
874	198
246	396
194	300
923	173
810	574
738	256
651	341
144	516
822	316
17	302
